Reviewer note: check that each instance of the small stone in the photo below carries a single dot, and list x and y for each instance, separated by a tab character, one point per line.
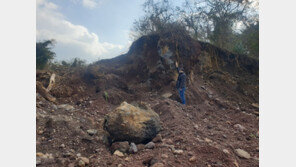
157	138
242	153
78	155
235	163
71	164
38	160
120	146
190	153
118	153
39	154
193	159
178	152
240	127
196	127
119	165
127	159
85	160
167	95
91	132
208	140
256	105
164	156
81	163
150	145
66	107
226	151
168	141
140	147
224	136
40	132
133	148
62	146
158	165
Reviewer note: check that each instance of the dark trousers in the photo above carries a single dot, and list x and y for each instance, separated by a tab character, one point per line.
182	95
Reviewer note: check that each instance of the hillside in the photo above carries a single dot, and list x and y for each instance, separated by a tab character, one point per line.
222	114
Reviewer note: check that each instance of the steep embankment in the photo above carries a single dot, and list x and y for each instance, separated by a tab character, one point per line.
221	115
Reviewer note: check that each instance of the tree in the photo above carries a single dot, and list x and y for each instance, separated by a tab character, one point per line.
250	38
157	15
43	53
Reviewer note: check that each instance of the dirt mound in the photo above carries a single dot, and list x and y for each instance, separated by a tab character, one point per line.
220	118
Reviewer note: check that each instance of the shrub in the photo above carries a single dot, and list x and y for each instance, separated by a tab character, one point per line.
43	53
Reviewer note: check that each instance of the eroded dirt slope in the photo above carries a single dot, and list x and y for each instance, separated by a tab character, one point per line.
221	115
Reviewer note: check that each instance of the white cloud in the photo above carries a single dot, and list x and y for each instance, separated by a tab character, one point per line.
72	40
89	3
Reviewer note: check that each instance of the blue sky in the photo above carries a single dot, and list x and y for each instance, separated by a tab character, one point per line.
88	29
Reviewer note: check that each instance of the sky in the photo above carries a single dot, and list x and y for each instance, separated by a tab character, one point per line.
87	29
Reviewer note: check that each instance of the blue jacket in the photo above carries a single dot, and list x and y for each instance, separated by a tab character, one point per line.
181	82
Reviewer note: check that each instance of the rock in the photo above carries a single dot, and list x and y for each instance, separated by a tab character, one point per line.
133	124
38	160
190	153
167	95
120	146
236	163
85	160
178	152
226	151
150	145
39	154
66	107
242	153
140	147
71	164
208	140
168	141
62	146
81	163
158	165
78	155
164	156
196	127
119	165
133	148
240	127
193	159
46	156
157	139
256	105
92	132
118	153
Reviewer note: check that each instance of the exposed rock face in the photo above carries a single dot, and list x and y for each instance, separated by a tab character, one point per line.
133	124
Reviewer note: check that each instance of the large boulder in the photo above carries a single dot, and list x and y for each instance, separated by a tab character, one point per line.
134	124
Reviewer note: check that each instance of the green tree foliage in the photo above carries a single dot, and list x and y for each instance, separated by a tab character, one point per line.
250	38
158	15
213	21
44	54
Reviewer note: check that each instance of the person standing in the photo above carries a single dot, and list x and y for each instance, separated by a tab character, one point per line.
181	83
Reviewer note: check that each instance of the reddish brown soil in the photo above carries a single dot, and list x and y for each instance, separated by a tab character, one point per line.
203	128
